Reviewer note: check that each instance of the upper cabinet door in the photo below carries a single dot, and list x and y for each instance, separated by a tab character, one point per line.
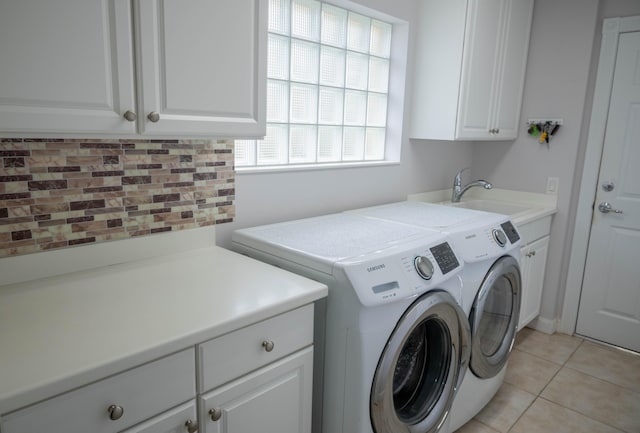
202	67
517	28
470	65
480	68
66	66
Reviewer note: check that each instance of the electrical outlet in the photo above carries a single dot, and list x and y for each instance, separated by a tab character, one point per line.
552	185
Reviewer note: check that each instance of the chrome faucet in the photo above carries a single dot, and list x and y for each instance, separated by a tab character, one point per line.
459	190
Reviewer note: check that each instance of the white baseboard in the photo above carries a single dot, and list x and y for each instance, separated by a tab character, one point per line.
542	324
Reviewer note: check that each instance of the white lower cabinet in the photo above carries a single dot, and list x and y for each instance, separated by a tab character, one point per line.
533	258
254	379
259	378
276	398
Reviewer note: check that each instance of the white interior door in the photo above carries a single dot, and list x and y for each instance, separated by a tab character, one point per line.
610	301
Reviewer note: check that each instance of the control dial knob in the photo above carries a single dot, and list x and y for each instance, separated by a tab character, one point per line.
424	267
499	237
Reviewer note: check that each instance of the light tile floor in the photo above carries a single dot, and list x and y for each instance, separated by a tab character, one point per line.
562	384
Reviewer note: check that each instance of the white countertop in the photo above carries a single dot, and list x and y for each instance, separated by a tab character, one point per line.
533	205
63	332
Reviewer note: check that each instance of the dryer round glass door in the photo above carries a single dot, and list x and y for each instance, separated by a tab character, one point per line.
494	318
421	366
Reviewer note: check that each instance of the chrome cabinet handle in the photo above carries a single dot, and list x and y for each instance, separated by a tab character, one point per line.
154	116
115	412
192	427
268	345
605	207
130	116
216	414
531	254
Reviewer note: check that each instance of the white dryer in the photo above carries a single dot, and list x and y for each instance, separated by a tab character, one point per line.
396	342
489	245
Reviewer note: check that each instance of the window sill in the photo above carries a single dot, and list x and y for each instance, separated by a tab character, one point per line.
312	167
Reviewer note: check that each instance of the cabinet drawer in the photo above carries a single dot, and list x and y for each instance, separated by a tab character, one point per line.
171	421
535	229
142	392
232	355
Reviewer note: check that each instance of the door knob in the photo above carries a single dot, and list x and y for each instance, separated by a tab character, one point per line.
605	207
608	186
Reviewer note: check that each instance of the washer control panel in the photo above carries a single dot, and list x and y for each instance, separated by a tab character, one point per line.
445	257
395	274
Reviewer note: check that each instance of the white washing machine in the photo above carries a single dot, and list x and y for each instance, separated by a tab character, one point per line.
396	342
489	244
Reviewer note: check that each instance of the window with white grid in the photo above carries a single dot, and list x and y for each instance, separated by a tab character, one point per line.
327	87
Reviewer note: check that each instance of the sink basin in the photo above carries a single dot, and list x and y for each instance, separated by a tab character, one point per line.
494	206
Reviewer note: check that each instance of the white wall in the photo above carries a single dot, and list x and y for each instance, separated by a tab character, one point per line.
563	56
425	166
556	84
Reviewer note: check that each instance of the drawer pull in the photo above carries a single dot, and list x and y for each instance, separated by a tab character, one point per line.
115	412
216	414
192	427
268	345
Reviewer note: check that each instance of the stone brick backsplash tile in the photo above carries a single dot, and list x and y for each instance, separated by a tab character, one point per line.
58	193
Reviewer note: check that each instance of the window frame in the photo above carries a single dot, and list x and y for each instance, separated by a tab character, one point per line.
395	99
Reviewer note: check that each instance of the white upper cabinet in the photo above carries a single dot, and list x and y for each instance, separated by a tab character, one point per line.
153	67
66	66
470	66
202	66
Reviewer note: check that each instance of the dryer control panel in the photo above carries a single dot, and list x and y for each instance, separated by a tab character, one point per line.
396	274
487	242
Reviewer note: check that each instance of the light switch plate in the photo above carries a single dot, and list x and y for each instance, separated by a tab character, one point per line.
552	185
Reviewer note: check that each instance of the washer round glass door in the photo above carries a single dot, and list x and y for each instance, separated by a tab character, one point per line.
494	317
421	367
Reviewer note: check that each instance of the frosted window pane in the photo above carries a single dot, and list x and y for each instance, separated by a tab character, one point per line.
380	39
305	19
332	64
302	144
278	58
304	103
378	75
331	101
329	143
355	108
328	71
245	152
273	149
357	71
304	61
334	26
374	146
358	31
353	144
377	110
279	16
277	101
